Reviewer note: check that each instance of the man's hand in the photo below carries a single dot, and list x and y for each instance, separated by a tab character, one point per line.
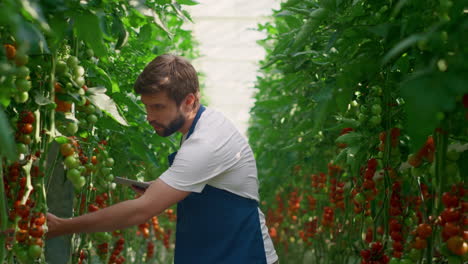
53	226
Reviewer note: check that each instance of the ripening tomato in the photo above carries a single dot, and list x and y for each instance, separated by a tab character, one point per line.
39	218
424	230
36	241
26	128
66	149
21	235
457	245
36	231
420	243
10	51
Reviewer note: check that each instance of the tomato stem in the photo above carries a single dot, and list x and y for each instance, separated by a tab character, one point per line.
3	213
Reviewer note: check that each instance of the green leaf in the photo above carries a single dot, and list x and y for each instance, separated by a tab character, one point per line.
180	13
61	140
146	33
7	140
188	2
402	46
34	10
425	95
87	27
99	98
350	138
109	82
143	9
31	36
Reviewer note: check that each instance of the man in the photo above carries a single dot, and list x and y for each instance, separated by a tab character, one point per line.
212	178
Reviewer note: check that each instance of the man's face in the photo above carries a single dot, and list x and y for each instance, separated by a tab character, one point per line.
163	113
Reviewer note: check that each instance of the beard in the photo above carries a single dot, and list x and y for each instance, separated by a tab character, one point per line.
173	126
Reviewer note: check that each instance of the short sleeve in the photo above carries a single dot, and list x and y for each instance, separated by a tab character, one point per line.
195	164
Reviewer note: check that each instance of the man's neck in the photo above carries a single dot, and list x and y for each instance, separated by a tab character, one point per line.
189	121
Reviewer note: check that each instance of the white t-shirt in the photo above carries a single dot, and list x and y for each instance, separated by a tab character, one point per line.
218	155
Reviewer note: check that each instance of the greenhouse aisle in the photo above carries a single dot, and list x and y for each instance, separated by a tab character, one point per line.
229	52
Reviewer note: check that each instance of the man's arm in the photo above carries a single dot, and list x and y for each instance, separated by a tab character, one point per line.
157	198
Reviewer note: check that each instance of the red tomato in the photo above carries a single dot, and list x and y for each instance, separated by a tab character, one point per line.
424	231
457	245
36	231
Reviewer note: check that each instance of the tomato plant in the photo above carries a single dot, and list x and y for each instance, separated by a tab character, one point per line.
69	122
367	87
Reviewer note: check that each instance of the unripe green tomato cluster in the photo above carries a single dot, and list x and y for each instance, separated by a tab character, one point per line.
104	177
16	77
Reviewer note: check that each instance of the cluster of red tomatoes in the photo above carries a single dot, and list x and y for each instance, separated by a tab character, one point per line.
454	220
374	255
29	218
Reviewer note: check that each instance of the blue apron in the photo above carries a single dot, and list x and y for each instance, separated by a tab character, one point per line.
217	226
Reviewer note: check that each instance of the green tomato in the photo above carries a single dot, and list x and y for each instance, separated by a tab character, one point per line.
92	119
22	72
90	109
453	155
90	53
102	237
78	71
34	251
21	253
71	162
73	175
376	109
5	68
69	86
83	123
72	128
451	169
80	81
406	261
360	198
358	218
23	85
22	148
83	100
362	117
369	220
106	171
375	120
82	92
110	177
363	109
61	68
109	162
72	61
21	97
394	261
408	222
80	182
21	59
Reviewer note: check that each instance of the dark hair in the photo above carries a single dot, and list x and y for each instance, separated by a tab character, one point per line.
170	73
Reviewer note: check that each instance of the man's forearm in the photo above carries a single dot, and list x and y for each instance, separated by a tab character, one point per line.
118	216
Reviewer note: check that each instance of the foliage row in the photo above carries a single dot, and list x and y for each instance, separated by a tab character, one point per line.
70	122
360	131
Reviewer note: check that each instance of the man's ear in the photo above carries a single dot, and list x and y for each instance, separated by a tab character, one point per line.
190	99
